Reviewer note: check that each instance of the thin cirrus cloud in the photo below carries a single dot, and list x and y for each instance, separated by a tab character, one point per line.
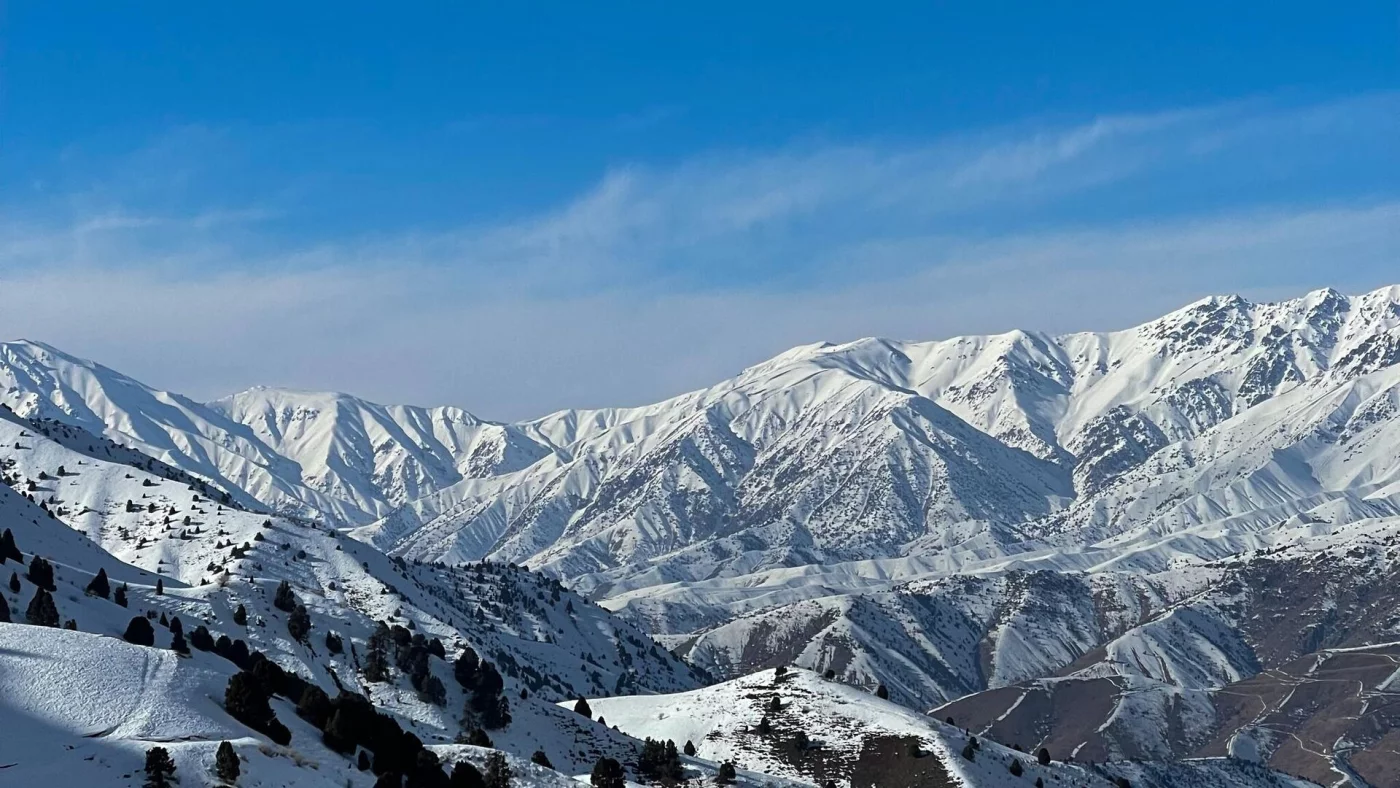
662	279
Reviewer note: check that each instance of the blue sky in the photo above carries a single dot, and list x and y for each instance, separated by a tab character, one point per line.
519	207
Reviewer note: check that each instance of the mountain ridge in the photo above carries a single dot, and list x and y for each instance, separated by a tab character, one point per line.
954	520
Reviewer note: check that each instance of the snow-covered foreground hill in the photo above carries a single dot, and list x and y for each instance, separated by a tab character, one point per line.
81	710
82	707
803	726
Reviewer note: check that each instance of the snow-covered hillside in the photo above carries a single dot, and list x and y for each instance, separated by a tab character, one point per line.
797	724
79	709
87	694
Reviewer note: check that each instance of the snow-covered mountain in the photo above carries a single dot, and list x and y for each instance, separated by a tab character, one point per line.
875	449
956	520
971	446
324	456
127	539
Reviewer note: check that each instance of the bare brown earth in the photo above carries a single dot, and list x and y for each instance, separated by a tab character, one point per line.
896	762
1316	717
1324	630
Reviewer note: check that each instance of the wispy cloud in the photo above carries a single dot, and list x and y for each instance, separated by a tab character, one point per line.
657	280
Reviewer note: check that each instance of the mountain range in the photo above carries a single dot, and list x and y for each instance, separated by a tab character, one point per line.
1092	542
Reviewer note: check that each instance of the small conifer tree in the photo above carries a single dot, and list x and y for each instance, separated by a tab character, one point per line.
42	612
99	585
160	769
226	764
607	773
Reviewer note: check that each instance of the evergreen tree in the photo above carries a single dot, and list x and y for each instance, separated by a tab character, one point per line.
333	643
498	772
339	732
466	775
690	748
14	583
607	773
477	737
177	641
427	771
4	611
436	648
1042	757
764	726
486	701
882	692
41	574
246	700
140	632
99	585
201	639
658	761
120	596
226	763
540	759
377	655
1016	768
582	707
8	548
433	691
277	732
240	616
160	586
727	773
160	770
969	753
464	669
284	599
299	624
315	706
41	612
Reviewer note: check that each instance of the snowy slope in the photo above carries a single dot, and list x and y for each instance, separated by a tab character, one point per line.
547	642
79	709
348	577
